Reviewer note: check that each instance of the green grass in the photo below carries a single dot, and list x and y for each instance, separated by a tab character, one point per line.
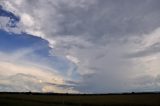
80	100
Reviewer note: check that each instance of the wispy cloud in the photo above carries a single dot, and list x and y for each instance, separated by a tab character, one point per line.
20	74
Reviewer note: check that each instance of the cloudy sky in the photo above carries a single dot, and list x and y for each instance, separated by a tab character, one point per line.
80	46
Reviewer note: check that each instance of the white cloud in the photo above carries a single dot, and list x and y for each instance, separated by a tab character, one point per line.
152	38
27	20
73	59
18	2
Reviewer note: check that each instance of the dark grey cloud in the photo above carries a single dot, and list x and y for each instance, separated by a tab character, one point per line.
108	18
147	83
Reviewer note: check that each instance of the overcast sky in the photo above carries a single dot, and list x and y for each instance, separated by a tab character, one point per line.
80	46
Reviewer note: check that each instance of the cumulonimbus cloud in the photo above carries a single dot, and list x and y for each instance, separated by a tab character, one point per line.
101	38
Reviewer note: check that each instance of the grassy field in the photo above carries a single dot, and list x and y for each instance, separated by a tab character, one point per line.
28	99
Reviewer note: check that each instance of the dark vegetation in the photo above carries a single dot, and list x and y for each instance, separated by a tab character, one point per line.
53	99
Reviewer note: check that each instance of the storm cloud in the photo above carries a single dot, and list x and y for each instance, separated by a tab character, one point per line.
108	44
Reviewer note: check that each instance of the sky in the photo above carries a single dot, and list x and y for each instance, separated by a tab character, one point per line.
80	46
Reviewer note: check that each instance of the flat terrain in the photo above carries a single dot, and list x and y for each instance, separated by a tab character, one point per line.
35	99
